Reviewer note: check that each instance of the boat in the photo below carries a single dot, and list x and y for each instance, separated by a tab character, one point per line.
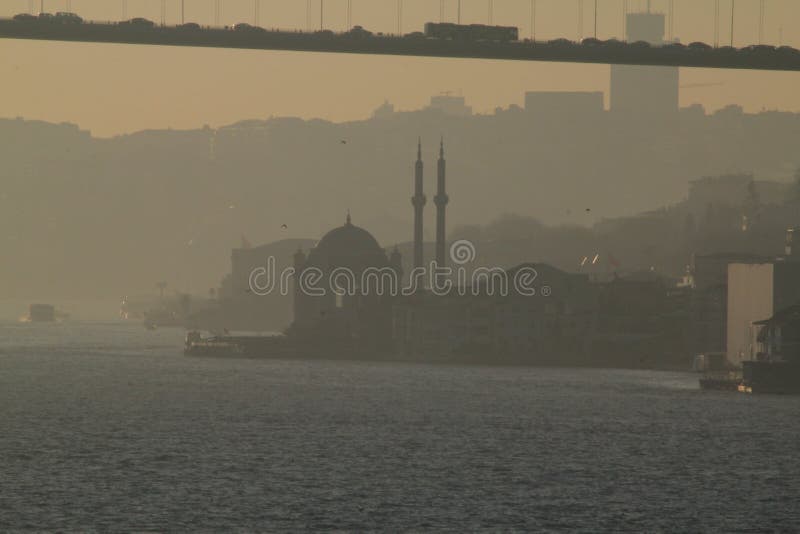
721	381
228	346
718	373
41	313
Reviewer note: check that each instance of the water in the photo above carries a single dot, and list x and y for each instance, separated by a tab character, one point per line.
108	427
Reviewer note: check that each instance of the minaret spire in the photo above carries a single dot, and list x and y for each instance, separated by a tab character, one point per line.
441	200
418	201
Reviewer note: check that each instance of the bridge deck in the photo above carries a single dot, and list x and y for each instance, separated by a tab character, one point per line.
400	46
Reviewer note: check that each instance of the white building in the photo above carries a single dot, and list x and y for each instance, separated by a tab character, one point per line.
755	292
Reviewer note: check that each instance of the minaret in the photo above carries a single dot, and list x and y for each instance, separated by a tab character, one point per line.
418	201
441	201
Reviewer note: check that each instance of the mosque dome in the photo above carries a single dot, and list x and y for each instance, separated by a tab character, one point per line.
347	246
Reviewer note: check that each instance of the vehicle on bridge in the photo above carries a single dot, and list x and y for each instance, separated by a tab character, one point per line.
697	45
190	26
470	32
592	41
564	43
359	31
244	27
138	22
25	17
65	17
639	45
759	49
788	50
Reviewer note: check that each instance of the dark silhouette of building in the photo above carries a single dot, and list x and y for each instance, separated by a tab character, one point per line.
333	313
475	324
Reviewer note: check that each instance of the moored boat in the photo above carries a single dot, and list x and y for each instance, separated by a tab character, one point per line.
227	346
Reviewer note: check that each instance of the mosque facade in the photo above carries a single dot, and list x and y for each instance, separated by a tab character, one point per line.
340	292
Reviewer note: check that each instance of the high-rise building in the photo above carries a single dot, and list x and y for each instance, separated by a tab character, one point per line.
645	90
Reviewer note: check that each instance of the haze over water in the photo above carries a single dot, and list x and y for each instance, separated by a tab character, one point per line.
108	427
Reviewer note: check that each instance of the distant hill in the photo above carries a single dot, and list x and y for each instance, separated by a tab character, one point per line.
89	217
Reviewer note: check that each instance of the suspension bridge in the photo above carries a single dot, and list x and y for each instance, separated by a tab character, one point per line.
316	37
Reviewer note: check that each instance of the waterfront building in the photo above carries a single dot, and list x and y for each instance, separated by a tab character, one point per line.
755	293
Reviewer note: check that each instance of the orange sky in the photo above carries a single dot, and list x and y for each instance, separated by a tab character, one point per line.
113	89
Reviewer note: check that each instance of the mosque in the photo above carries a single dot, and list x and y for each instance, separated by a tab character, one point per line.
362	317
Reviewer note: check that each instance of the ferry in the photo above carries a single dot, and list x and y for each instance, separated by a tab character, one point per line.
43	313
718	374
228	346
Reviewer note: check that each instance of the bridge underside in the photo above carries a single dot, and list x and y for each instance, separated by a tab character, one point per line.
328	42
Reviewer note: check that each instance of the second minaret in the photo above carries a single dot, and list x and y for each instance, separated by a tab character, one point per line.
418	201
441	199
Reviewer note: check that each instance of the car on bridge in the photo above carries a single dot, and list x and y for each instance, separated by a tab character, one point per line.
788	51
758	49
245	28
65	17
137	22
592	42
615	44
25	17
699	46
358	32
189	26
639	45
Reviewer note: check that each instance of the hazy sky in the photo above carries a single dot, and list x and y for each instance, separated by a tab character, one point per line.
112	89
